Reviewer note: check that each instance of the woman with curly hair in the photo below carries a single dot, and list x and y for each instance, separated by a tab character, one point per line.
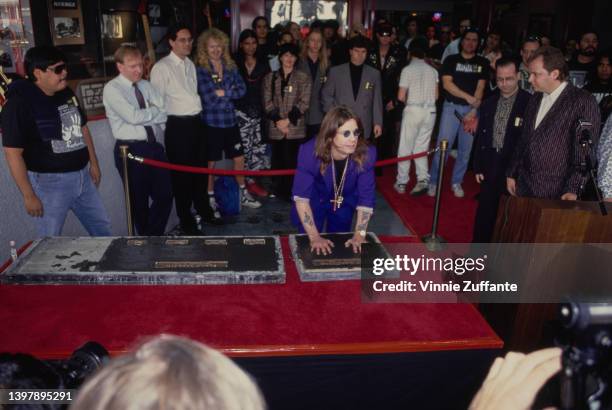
219	85
335	178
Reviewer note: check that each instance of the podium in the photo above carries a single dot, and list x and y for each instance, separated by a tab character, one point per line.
534	220
526	327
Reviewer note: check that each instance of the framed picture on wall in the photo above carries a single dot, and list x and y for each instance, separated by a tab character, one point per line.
66	22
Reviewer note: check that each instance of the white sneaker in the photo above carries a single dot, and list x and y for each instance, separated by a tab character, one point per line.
431	191
420	188
246	199
399	188
213	205
457	190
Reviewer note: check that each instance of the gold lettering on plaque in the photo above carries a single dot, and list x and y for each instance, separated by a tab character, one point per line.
215	242
254	241
333	262
136	242
190	264
177	242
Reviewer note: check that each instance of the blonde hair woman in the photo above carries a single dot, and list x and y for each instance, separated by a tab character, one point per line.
219	85
170	372
314	62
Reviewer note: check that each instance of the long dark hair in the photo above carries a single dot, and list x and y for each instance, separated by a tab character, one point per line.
334	119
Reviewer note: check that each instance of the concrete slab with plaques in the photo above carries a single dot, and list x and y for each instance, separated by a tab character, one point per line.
150	260
341	264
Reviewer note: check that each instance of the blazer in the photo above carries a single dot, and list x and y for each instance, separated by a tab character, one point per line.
314	115
546	161
338	90
276	106
484	133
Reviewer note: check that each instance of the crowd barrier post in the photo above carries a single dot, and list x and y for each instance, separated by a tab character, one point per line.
123	152
433	241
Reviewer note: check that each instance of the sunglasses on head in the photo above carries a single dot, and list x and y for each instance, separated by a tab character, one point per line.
533	38
348	133
58	69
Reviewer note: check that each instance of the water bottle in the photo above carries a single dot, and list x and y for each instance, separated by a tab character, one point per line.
13	251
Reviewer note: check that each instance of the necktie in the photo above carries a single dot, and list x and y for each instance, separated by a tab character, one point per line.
141	104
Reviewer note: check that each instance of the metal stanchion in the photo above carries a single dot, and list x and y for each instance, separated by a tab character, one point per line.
433	241
123	152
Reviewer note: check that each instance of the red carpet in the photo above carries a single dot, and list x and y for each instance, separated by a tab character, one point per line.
456	214
291	319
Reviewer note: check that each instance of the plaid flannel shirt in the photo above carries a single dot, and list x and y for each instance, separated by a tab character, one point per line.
219	111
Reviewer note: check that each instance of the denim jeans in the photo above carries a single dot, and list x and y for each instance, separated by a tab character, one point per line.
450	126
63	191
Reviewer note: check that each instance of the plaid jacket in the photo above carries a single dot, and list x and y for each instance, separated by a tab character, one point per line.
219	111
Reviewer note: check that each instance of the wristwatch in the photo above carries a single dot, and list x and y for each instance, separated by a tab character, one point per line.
362	233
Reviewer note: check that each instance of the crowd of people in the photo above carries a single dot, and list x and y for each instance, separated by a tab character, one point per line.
527	114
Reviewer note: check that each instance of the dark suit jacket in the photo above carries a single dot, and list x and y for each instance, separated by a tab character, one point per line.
484	134
546	162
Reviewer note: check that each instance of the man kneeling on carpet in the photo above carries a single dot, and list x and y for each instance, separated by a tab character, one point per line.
335	177
170	372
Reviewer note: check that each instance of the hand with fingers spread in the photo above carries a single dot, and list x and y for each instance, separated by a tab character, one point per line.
320	245
514	381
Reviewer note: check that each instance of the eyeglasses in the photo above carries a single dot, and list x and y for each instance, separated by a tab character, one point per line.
533	38
348	133
58	69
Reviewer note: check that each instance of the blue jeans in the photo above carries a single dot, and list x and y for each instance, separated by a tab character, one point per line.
63	191
450	126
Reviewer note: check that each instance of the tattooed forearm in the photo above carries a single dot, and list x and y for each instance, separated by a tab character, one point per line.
307	219
362	224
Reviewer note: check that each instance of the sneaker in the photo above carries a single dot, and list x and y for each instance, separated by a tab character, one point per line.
457	190
420	188
431	191
399	188
255	189
213	205
246	199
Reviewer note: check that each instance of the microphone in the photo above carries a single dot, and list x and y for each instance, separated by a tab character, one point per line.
583	129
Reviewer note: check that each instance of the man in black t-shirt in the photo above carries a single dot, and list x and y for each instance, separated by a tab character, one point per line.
48	146
464	77
601	86
583	66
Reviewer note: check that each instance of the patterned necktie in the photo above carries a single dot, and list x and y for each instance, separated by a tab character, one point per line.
141	104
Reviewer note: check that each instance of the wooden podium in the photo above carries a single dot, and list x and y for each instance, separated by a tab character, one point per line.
526	327
532	220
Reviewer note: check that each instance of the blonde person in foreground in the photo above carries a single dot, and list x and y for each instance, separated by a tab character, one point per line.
171	373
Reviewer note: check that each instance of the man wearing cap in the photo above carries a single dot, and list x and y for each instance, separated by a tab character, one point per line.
389	59
358	86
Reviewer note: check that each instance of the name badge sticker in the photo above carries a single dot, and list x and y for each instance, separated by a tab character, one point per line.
518	121
369	85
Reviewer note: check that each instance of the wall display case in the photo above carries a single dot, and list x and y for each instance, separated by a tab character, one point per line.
15	34
66	22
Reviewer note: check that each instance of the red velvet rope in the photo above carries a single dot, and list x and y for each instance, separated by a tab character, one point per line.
277	172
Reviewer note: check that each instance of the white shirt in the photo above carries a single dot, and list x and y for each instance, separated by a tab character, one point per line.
421	80
547	102
126	118
175	80
452	48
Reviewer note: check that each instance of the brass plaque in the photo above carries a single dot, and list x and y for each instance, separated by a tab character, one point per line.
215	242
177	242
137	242
254	241
190	264
336	262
